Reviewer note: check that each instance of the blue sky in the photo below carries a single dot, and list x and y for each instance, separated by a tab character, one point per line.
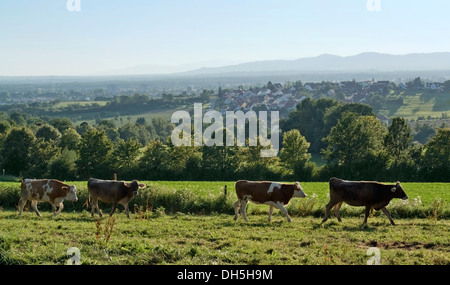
41	37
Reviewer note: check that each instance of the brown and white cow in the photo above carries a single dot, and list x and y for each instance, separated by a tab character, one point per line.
47	190
273	194
112	192
362	193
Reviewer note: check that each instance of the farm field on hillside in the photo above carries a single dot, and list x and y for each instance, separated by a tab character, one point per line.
421	104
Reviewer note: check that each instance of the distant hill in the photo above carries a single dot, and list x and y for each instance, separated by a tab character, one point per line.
373	62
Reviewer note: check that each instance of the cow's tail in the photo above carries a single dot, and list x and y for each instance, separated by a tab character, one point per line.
88	200
87	204
22	185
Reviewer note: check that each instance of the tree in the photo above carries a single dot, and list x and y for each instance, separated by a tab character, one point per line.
18	119
154	163
40	155
125	157
398	139
423	132
83	127
162	127
95	155
205	96
5	127
219	162
355	147
16	149
70	139
308	118
140	121
447	86
334	113
63	167
436	160
183	161
253	166
62	124
417	83
294	155
48	132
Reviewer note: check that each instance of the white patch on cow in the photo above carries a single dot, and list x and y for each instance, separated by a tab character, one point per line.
273	185
47	190
279	205
272	203
28	185
298	192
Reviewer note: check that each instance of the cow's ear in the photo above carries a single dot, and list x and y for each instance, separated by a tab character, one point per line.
393	189
128	185
142	185
65	188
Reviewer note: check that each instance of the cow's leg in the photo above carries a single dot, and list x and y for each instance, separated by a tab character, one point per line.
283	209
244	209
336	211
270	212
113	209
386	212
328	208
34	206
61	207
237	207
54	210
366	215
92	202
127	211
98	209
22	203
94	205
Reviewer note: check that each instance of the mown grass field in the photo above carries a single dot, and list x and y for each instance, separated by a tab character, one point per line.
416	104
192	223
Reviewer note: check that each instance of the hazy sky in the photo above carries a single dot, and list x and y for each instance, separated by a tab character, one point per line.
41	37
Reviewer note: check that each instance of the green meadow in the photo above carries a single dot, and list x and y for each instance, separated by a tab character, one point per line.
192	223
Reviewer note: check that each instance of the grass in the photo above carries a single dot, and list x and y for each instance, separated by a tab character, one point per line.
192	223
419	104
217	239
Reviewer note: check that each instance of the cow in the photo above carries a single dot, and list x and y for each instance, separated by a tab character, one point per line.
362	193
47	190
112	192
273	194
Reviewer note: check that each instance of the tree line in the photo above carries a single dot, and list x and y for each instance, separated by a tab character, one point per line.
348	137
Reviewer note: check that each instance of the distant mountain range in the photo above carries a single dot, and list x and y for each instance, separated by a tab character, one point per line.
364	62
332	63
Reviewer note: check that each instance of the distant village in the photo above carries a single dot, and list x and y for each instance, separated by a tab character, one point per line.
275	96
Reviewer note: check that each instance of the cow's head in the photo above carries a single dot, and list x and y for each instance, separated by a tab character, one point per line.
298	191
399	192
134	186
71	193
